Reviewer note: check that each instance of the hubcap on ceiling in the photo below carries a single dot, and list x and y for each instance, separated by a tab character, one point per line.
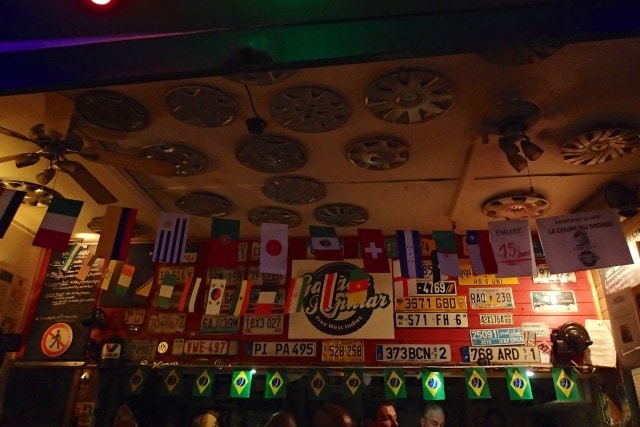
272	154
378	153
600	146
112	110
272	214
201	106
516	206
205	204
294	190
341	215
310	109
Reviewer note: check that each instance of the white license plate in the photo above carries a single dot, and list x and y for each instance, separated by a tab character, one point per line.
166	323
219	324
490	298
281	349
543	275
422	353
432	304
134	316
211	347
495	337
505	354
443	287
490	319
343	351
432	320
270	324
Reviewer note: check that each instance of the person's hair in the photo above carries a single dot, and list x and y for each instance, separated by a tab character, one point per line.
281	419
493	417
432	407
331	414
371	410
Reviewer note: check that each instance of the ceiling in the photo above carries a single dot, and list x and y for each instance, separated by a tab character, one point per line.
423	126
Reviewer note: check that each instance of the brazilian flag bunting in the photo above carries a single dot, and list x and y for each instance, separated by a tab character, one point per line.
318	381
477	384
137	380
203	384
353	383
564	381
275	388
241	384
172	382
432	385
518	384
394	384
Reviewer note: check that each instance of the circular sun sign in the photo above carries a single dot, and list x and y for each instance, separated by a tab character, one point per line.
56	339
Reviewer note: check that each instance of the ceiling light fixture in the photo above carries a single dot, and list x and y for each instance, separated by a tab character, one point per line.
510	120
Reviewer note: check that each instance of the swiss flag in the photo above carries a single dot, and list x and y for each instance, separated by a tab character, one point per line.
374	255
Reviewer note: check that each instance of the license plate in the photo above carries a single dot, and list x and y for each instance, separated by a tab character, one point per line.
166	323
180	273
134	316
140	350
270	324
436	304
543	275
344	351
432	320
489	319
490	337
540	329
483	298
507	354
219	324
281	349
423	353
211	347
444	287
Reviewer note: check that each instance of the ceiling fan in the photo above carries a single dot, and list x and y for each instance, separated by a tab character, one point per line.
56	142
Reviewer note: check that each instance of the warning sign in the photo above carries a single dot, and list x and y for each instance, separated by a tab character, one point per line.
56	339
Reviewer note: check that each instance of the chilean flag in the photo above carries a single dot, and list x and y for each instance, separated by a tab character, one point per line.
481	253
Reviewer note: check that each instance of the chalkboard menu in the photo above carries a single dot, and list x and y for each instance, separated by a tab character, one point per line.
57	332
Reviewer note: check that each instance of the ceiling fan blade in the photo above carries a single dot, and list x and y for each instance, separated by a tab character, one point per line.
14	134
130	162
58	111
16	157
90	184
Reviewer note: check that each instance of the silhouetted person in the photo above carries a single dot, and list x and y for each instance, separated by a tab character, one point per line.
331	415
281	419
432	416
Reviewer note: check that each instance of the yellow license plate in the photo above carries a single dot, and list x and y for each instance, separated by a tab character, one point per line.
432	303
343	351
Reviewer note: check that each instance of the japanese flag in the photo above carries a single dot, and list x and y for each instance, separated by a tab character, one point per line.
274	247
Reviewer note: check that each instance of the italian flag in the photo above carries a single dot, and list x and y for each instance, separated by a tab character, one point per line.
57	225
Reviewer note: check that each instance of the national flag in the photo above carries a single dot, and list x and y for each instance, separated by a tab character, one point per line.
171	238
166	291
137	380
85	268
395	386
372	249
189	294
296	293
480	252
144	290
241	384
57	225
124	281
203	383
10	201
274	248
358	287
318	384
477	384
214	299
73	252
118	225
266	301
275	387
325	243
409	253
432	385
172	382
518	384
327	295
564	381
447	252
403	286
223	246
107	273
512	247
241	298
353	383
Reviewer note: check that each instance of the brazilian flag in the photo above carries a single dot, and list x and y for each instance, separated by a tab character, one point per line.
241	384
172	382
518	384
275	387
395	386
318	381
353	383
137	380
203	384
477	384
432	385
564	381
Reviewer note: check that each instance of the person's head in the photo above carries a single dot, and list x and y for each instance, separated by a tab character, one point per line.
281	419
494	417
432	416
382	414
331	414
208	419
